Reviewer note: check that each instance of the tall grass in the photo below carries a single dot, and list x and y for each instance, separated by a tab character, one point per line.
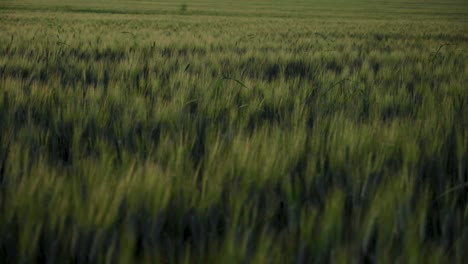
230	138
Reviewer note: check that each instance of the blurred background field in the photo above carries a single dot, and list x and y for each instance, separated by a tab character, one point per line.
233	131
375	9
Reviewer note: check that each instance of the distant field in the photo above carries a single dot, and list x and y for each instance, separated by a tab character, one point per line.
454	10
233	131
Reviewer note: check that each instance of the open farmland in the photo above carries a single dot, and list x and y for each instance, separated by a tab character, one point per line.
234	131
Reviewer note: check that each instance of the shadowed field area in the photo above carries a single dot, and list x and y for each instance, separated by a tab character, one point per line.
233	131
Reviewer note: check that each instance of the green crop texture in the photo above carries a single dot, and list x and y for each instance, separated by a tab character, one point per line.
260	131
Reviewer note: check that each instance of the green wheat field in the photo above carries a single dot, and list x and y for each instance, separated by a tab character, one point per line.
261	131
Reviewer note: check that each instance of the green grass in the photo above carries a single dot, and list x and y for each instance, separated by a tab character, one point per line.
233	131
